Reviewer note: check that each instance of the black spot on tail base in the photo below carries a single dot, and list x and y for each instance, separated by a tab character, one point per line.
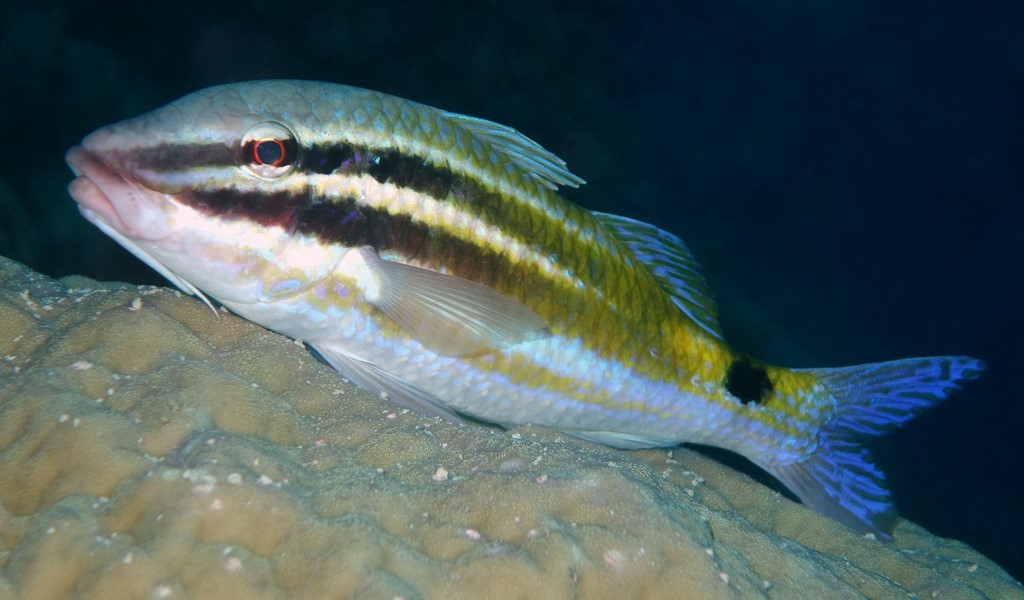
747	381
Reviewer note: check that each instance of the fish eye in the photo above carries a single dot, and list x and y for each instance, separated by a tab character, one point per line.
269	149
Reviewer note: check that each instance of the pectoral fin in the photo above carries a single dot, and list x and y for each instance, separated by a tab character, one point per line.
449	315
373	379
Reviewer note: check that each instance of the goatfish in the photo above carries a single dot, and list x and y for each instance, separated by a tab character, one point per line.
428	257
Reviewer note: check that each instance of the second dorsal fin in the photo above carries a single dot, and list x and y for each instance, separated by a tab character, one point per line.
670	261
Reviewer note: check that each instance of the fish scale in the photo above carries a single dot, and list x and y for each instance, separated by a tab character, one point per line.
428	257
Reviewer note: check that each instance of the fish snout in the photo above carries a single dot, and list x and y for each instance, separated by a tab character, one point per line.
103	193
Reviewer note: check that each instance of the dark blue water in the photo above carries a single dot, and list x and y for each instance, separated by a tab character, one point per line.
851	177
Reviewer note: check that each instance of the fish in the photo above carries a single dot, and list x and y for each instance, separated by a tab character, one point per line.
429	257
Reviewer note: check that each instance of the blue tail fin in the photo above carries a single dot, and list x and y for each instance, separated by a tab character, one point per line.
839	478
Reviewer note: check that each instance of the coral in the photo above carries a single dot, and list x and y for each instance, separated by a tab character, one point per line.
152	448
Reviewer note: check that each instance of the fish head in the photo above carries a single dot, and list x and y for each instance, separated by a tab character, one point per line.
204	191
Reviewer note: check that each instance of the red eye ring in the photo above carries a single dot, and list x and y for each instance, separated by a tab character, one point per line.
269	149
270	152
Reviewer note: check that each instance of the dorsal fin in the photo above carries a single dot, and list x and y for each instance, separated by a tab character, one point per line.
521	150
670	261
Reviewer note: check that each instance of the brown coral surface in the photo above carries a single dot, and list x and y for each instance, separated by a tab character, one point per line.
150	448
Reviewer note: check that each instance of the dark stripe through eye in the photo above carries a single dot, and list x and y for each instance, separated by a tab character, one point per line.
180	157
412	172
385	166
327	159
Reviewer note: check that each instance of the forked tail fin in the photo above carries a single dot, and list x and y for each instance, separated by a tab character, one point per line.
839	478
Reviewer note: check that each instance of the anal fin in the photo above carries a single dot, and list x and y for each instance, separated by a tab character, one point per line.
625	441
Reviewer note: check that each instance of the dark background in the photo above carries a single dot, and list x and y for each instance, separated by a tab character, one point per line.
850	175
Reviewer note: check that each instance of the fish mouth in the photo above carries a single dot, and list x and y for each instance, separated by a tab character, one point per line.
103	193
128	212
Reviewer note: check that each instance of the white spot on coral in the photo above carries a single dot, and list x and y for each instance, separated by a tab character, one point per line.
614	559
441	474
